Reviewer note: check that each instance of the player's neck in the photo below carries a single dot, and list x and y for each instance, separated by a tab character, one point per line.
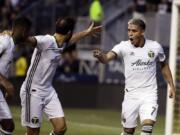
142	42
59	38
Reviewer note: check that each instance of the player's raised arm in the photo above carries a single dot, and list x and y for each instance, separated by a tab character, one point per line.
168	77
104	57
90	31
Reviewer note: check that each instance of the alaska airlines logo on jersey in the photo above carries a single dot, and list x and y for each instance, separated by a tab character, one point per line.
151	54
139	62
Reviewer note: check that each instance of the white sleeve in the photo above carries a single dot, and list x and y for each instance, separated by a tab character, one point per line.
3	45
43	42
118	49
161	54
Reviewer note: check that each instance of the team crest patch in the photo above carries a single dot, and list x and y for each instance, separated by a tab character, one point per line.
151	54
35	120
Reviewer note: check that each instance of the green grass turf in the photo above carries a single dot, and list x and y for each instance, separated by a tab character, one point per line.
87	122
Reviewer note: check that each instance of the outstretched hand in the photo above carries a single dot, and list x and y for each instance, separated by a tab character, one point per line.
90	31
172	93
94	30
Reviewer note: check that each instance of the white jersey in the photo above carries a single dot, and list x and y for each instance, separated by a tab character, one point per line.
44	62
140	64
7	48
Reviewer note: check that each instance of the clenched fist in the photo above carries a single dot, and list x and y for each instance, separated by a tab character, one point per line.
97	53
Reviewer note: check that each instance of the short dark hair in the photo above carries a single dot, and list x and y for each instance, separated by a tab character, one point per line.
138	22
64	25
22	22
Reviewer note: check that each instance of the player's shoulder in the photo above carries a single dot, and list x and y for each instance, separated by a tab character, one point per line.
5	39
44	38
121	46
152	43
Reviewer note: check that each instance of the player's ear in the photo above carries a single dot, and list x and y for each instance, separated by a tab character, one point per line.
142	32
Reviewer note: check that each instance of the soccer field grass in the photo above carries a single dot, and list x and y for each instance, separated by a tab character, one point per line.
87	122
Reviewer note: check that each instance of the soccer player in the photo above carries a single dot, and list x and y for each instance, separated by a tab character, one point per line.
20	31
140	57
37	93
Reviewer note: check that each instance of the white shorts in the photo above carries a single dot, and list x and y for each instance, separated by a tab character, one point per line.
5	111
32	110
132	108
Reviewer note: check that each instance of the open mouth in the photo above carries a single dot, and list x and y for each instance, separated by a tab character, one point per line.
131	39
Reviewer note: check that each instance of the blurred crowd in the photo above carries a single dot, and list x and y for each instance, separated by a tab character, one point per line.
10	9
144	6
